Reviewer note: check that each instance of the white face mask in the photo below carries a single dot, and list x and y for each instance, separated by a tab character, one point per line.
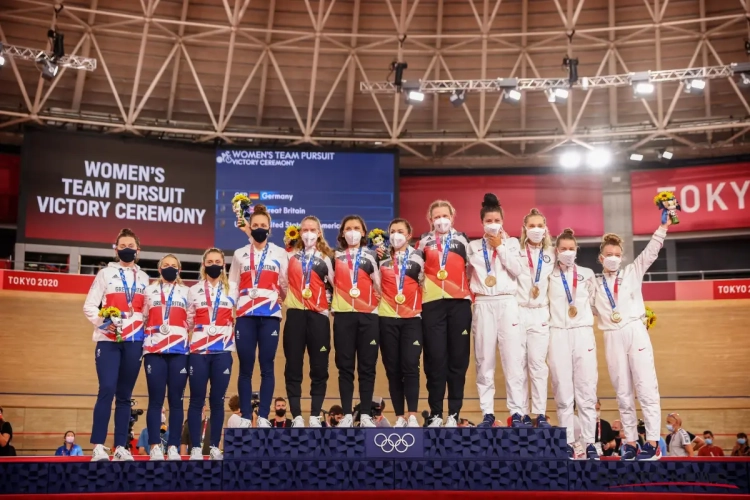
398	240
353	237
309	239
612	263
493	229
536	234
442	225
70	439
567	258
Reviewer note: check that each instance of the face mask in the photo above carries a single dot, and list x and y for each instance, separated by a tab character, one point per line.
741	441
259	234
353	237
493	229
398	240
169	274
442	225
709	441
536	234
670	427
309	239
70	439
127	254
280	413
611	263
163	418
214	271
333	422
567	258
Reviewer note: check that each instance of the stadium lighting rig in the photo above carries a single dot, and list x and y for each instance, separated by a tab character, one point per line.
46	59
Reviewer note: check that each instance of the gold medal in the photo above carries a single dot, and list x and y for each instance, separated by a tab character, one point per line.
572	311
354	293
442	275
616	317
400	298
306	293
534	291
490	281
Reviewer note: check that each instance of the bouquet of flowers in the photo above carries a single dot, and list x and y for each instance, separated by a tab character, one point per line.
291	236
377	238
650	318
668	204
241	206
112	316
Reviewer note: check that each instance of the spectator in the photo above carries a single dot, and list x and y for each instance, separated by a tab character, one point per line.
69	447
335	414
642	438
6	436
680	443
741	449
612	446
143	447
464	422
376	413
186	444
236	421
696	440
280	419
603	432
710	449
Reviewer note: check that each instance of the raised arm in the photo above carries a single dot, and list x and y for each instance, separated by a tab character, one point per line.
649	254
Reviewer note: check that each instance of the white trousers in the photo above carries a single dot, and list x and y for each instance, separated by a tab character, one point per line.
572	364
496	323
630	360
535	323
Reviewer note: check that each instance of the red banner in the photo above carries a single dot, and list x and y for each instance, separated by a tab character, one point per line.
45	282
731	289
566	201
711	197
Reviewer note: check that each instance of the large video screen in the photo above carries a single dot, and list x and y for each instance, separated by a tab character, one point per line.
295	184
82	189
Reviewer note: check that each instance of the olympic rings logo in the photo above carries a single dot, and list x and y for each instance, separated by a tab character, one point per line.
394	442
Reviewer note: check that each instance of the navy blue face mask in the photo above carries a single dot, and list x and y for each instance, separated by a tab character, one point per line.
126	254
169	274
214	271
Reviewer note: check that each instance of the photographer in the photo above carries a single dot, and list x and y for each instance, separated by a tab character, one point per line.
376	412
280	419
236	421
143	444
335	414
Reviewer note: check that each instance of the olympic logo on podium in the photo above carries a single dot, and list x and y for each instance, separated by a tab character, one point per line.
394	442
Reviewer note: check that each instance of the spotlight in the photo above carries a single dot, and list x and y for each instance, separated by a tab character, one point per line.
585	83
695	86
636	157
550	95
644	88
598	158
570	159
641	83
414	95
572	65
398	68
513	95
665	155
744	80
48	68
413	91
2	58
457	98
562	93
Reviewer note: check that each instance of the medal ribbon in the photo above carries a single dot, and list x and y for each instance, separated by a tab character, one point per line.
255	273
166	305
218	299
129	293
487	261
402	272
307	267
355	276
612	299
445	251
571	298
538	264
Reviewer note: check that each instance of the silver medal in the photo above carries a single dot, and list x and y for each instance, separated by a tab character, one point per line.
212	330
164	329
254	293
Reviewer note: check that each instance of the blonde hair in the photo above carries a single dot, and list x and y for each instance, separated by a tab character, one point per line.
179	267
439	203
260	210
677	418
223	278
547	241
321	245
610	239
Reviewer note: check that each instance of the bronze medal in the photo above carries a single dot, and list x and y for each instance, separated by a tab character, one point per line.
490	281
572	311
534	291
616	317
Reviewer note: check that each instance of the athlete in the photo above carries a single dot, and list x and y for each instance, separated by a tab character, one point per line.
356	333
627	345
165	351
493	268
572	347
446	313
537	261
401	336
211	304
260	271
118	355
307	325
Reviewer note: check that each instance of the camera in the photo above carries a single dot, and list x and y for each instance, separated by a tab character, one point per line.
134	414
255	403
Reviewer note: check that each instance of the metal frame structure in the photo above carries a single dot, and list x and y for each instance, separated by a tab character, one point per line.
67	61
482	143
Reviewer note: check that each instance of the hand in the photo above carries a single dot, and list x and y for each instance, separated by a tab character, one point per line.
112	328
380	251
246	228
495	241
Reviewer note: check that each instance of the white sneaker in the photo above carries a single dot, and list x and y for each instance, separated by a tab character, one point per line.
216	454
400	422
196	454
436	422
413	422
173	453
101	453
451	421
156	454
263	423
298	421
315	422
347	421
122	455
366	421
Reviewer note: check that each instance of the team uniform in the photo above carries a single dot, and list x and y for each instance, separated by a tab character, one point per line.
307	326
165	359
401	334
627	345
536	266
496	318
117	363
355	327
572	349
446	319
261	276
211	320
